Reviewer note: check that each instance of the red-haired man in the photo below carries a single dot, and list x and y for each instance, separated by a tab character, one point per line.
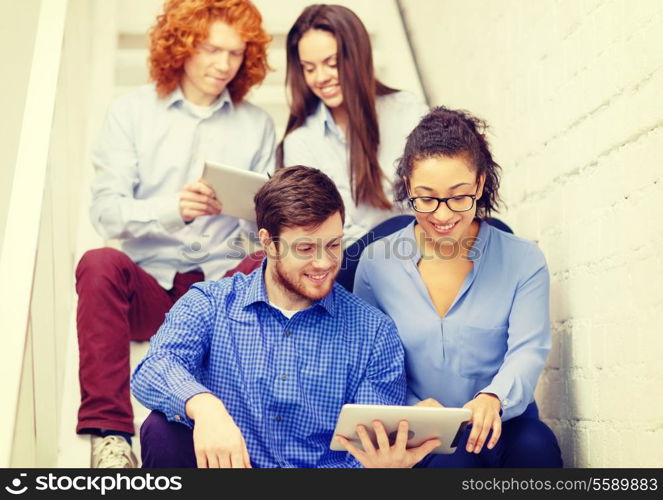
205	55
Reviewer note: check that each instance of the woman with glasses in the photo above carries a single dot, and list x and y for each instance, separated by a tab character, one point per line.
343	120
470	301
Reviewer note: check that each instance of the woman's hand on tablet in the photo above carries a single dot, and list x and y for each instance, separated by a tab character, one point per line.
430	403
198	199
387	455
485	416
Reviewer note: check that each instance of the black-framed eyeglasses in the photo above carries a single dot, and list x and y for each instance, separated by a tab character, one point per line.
429	204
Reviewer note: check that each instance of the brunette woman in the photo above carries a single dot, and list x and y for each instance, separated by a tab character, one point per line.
345	122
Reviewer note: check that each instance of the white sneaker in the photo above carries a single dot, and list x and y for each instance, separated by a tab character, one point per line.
112	452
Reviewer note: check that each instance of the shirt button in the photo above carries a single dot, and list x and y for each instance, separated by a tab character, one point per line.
178	418
278	418
287	333
284	377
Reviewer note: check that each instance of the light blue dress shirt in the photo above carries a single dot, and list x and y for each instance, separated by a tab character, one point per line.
494	338
148	149
283	380
322	144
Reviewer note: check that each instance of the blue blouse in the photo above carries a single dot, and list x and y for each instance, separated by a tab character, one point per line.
494	338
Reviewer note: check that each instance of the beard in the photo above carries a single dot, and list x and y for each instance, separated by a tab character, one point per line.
295	283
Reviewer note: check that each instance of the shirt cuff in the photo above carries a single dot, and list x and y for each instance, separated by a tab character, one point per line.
177	406
504	402
167	211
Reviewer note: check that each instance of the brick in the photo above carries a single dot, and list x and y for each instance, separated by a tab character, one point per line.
619	233
615	396
597	445
630	453
572	99
645	291
565	434
599	344
550	211
651	449
583	397
583	445
618	334
560	308
652	340
554	360
551	396
650	402
580	342
581	294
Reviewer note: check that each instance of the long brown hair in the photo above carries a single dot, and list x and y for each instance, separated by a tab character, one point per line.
359	87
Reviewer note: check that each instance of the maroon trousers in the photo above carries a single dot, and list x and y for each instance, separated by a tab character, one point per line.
117	302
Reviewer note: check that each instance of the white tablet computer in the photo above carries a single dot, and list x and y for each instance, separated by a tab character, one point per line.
234	188
445	424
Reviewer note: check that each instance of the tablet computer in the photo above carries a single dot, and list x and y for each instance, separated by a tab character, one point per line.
445	424
234	188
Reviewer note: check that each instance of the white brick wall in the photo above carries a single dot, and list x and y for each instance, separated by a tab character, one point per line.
573	90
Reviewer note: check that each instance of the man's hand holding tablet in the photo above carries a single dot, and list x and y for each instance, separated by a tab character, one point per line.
398	436
197	199
387	455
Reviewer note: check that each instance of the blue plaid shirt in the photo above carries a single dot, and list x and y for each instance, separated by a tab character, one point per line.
282	380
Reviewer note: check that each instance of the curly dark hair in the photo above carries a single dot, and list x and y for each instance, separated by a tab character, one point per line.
447	132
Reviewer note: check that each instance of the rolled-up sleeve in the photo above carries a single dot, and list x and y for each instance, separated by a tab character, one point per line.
165	380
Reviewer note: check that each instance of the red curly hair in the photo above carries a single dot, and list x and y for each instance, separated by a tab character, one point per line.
184	25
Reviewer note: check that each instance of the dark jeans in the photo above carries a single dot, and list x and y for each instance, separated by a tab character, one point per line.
526	442
165	444
117	302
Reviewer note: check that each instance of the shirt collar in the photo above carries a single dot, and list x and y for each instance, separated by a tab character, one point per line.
177	97
257	292
174	97
322	115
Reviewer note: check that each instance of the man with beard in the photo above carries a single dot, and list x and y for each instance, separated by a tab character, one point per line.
252	371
